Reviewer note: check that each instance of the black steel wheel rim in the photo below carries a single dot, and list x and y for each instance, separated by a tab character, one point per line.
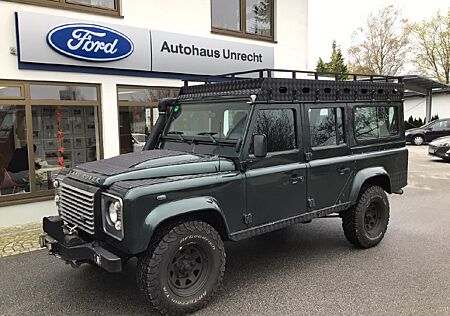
373	219
188	270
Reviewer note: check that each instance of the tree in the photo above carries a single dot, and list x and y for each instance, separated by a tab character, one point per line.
336	64
432	47
381	46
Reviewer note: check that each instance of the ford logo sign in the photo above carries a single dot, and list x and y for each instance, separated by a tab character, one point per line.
90	42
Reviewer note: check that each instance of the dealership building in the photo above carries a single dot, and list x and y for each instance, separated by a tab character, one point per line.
80	79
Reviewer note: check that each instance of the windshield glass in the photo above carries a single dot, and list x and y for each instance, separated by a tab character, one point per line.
223	121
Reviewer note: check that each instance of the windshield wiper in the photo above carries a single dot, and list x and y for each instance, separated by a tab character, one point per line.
179	134
210	135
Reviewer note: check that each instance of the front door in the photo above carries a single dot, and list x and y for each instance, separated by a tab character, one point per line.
330	166
275	184
439	129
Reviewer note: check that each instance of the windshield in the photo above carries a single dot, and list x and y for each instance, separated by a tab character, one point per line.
222	121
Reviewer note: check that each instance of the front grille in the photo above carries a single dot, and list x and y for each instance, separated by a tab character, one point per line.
77	207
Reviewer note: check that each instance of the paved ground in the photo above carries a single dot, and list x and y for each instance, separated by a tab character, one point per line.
303	270
19	239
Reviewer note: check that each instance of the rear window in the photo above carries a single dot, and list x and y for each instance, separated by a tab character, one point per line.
376	122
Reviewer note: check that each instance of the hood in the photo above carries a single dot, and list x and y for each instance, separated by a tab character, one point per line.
148	164
415	129
441	141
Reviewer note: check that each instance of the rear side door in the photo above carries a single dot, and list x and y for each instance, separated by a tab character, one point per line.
275	184
330	164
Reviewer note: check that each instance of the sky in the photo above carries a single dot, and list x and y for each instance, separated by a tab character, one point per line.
337	20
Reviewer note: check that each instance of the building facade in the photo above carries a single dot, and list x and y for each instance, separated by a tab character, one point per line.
415	105
80	79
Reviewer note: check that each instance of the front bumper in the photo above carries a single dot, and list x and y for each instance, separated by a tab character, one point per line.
440	152
408	138
72	249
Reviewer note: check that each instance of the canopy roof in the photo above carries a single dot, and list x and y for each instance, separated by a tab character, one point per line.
422	85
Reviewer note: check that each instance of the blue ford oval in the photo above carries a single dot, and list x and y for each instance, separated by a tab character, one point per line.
90	42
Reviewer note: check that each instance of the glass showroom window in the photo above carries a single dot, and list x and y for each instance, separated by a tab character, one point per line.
246	18
61	121
138	112
14	168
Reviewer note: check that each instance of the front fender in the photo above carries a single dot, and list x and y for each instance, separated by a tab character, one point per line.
362	176
173	209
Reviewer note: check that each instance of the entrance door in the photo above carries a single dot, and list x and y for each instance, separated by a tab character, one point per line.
275	184
330	167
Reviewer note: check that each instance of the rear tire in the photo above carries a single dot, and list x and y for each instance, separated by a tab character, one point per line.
183	268
418	140
366	222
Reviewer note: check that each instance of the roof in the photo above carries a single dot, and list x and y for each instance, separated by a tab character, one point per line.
422	85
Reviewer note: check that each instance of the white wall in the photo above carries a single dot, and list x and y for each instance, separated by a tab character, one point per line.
416	106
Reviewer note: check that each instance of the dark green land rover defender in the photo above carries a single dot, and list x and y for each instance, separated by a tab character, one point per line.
238	156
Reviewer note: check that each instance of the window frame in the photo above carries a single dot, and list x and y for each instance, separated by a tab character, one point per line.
145	104
379	138
67	5
243	23
14	85
34	195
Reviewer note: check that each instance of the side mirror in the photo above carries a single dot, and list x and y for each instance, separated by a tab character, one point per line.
260	145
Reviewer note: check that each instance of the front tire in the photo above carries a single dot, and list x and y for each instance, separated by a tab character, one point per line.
366	222
184	269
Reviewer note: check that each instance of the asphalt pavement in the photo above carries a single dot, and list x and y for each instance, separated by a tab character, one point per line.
308	269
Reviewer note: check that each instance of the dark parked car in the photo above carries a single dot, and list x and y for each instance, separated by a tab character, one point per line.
428	132
229	160
440	147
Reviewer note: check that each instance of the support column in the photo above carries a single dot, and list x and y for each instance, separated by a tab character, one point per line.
429	100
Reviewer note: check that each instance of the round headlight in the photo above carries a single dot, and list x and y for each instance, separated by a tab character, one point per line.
56	184
113	215
118	225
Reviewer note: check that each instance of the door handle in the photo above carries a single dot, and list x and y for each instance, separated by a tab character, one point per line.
343	170
297	179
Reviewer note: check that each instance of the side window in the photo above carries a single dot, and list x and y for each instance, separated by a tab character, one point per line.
376	122
441	125
279	127
326	126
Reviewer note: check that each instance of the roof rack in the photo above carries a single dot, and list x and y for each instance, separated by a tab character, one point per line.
279	85
294	74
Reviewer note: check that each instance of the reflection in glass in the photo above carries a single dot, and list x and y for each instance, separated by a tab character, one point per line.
192	119
375	122
14	168
50	92
226	14
135	125
136	94
104	4
279	128
259	17
326	127
64	137
9	91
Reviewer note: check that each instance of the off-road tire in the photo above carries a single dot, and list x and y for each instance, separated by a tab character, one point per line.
361	227
165	261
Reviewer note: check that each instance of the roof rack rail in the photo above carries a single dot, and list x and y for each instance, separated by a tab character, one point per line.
294	74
